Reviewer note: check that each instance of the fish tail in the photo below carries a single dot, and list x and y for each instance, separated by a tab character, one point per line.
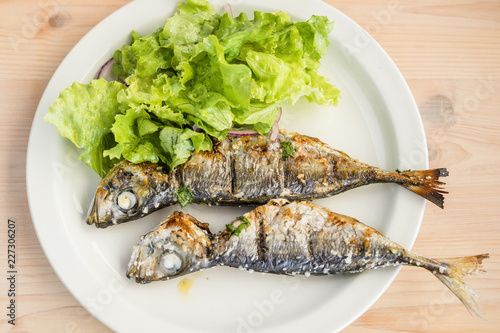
454	270
425	183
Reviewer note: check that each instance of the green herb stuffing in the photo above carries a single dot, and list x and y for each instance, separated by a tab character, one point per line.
184	196
399	171
236	231
288	150
214	71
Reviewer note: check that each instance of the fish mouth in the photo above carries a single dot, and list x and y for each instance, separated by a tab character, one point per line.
93	213
132	265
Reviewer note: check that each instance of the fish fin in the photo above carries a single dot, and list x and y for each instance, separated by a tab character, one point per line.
426	184
455	270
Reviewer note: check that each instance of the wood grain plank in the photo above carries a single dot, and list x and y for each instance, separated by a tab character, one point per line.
447	50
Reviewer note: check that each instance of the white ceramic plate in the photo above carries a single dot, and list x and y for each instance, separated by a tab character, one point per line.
377	122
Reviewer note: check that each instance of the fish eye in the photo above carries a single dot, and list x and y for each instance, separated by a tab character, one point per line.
171	262
126	200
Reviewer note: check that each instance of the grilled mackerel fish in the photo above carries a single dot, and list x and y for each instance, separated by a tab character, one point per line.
289	238
247	170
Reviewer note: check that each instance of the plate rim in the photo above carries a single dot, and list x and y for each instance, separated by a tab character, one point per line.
63	276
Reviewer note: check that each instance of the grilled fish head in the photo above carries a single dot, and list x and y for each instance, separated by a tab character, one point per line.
179	245
126	193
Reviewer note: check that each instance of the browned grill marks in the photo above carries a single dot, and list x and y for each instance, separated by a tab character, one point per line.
310	244
233	173
261	239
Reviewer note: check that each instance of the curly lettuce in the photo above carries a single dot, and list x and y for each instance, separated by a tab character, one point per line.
84	113
214	71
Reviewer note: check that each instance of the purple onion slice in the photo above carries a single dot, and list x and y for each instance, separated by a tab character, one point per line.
106	70
246	132
275	130
228	9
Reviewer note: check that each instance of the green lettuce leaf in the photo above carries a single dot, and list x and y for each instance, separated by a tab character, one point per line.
84	113
178	149
144	57
214	71
136	135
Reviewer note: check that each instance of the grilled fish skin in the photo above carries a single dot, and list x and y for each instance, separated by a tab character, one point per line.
247	170
282	237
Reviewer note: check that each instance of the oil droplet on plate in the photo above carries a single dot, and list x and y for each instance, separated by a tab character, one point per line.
184	286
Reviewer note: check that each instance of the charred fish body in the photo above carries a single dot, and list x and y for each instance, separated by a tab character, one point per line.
247	170
289	238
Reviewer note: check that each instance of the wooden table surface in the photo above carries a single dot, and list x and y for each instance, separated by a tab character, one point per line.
447	50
